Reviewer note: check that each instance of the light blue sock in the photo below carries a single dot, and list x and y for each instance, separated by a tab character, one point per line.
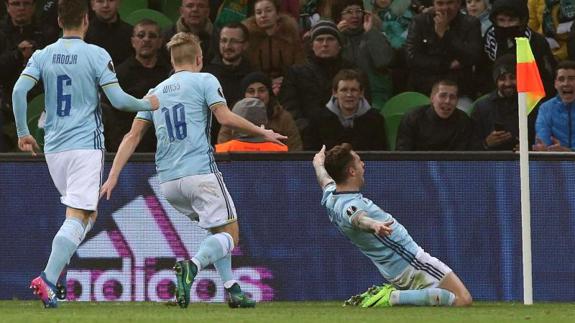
224	268
422	297
212	249
88	227
64	245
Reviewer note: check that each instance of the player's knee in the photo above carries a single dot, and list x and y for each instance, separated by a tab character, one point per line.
236	238
463	300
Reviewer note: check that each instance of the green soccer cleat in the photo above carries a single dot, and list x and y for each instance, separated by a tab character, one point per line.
357	299
238	299
185	273
380	299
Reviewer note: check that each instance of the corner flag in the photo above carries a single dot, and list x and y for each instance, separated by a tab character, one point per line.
529	92
528	79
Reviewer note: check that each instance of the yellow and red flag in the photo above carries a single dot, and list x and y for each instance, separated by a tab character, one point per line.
528	79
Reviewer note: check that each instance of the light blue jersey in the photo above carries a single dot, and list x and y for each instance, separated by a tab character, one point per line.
71	71
183	124
391	255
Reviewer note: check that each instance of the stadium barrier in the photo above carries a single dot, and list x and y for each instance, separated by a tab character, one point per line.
463	208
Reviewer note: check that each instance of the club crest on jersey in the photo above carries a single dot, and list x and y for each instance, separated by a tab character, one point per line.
351	210
111	67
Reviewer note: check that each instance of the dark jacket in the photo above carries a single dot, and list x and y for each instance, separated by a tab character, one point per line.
115	38
229	77
373	55
208	36
366	133
11	60
430	57
496	46
497	113
500	41
136	80
423	130
307	87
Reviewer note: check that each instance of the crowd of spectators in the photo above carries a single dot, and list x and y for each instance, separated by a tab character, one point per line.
322	70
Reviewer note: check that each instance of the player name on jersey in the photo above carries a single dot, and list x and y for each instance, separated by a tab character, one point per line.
171	88
64	59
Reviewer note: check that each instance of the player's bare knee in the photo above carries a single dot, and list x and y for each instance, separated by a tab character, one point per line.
83	215
463	300
231	229
233	234
235	237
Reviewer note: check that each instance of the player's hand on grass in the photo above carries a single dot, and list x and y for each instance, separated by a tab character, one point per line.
383	229
108	187
28	143
319	157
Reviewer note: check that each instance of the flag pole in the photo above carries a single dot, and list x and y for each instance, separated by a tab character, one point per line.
525	200
530	90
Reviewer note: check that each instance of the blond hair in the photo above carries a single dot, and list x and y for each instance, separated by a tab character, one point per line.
184	48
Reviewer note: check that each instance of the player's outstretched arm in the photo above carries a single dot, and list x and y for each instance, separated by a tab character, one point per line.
323	177
229	119
363	222
126	149
19	104
125	102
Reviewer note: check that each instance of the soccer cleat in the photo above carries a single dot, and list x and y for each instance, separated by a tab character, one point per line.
61	291
380	299
185	273
238	299
45	291
357	299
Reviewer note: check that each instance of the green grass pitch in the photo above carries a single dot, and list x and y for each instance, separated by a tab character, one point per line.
298	312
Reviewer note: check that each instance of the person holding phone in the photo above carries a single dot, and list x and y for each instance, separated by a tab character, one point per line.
443	43
364	44
495	117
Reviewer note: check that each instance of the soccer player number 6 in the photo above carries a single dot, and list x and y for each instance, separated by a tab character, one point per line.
63	101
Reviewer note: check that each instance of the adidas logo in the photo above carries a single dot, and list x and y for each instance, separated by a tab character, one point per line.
132	260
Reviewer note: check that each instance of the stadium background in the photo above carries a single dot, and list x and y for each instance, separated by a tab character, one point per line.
462	208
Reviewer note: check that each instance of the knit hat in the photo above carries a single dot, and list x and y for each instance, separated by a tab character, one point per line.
256	77
252	109
513	8
323	27
502	65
